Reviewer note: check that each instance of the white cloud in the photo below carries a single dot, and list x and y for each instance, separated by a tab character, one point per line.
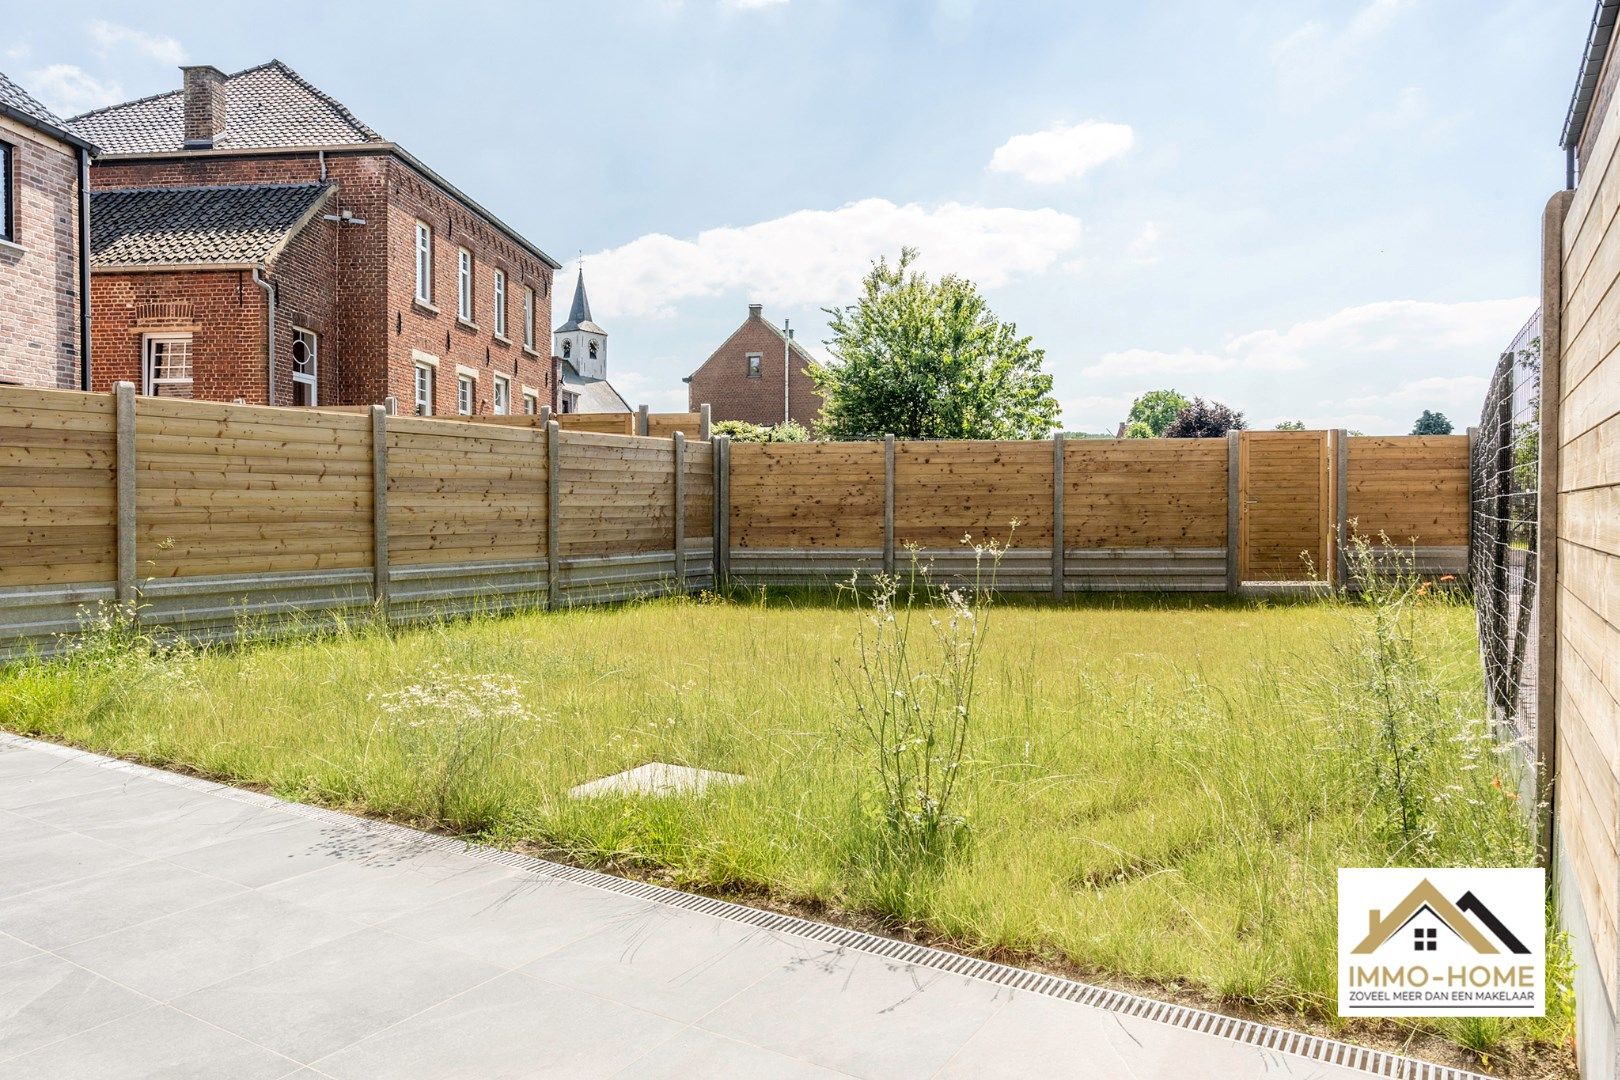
68	90
1062	152
1315	60
818	257
753	5
1427	389
111	37
1152	362
1145	248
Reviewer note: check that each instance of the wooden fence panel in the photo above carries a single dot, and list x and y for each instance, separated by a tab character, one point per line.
229	489
806	495
1144	493
617	494
58	487
699	469
945	491
462	493
1414	488
665	425
607	423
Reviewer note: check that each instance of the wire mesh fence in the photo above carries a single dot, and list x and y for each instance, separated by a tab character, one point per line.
1502	536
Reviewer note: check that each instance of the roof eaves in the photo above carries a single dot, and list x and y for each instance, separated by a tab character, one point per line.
1598	38
55	132
168	267
411	160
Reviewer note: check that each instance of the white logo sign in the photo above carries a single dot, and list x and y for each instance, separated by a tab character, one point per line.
1452	942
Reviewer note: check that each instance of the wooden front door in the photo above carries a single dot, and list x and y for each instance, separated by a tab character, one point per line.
1285	505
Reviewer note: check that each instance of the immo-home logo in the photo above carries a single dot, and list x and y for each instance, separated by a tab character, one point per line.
1442	942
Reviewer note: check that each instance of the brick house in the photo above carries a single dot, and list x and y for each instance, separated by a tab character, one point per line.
751	377
264	245
44	328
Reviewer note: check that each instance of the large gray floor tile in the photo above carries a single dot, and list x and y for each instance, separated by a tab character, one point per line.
509	1028
695	1052
176	954
155	1043
89	907
13	949
323	999
44	998
861	1014
63	779
677	963
388	883
157	819
518	919
294	847
34	855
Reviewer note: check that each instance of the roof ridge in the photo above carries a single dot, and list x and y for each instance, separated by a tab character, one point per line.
122	104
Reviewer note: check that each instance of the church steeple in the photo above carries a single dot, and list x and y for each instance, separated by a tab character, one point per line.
579	340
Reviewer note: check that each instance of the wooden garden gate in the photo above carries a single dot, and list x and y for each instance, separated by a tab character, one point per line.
1285	506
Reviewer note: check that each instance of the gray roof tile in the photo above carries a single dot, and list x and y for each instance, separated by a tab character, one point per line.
26	107
595	395
202	226
266	106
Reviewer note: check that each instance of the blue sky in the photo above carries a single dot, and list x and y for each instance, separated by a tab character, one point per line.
1318	211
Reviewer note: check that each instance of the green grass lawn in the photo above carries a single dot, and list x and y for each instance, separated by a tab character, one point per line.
1157	791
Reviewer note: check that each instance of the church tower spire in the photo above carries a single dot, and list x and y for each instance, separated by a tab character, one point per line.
579	340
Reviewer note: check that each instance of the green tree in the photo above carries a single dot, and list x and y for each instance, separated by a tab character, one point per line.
921	359
1139	429
1432	423
1291	425
1156	409
1205	420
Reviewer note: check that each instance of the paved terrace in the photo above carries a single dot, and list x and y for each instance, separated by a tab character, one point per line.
157	925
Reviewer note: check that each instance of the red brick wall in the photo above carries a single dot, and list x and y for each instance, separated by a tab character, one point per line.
224	312
39	284
723	383
374	322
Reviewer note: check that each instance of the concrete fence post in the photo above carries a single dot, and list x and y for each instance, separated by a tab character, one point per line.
722	511
1341	506
379	507
705	423
888	504
1234	510
545	416
553	512
1059	569
677	449
124	463
641	420
391	404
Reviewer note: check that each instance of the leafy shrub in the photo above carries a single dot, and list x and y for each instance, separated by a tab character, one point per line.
1205	420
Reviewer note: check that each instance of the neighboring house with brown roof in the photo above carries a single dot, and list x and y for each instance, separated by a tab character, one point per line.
44	326
262	244
758	375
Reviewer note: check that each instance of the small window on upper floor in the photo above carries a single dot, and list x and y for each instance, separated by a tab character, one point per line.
500	303
753	365
528	318
424	262
466	394
464	284
593	350
502	400
531	403
568	350
8	227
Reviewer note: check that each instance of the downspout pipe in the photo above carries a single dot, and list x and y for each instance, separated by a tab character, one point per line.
84	268
269	331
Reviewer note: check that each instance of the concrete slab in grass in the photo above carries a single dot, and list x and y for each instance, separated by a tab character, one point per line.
656	778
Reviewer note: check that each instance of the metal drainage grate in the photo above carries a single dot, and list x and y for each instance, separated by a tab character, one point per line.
1248	1032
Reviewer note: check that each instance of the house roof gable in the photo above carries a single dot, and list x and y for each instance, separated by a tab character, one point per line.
224	225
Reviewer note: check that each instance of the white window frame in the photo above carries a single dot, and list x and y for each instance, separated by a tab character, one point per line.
502	396
756	366
466	393
528	317
149	353
424	262
424	402
531	398
312	377
464	284
568	401
500	303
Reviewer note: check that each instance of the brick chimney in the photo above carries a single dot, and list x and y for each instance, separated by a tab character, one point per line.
754	310
205	105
